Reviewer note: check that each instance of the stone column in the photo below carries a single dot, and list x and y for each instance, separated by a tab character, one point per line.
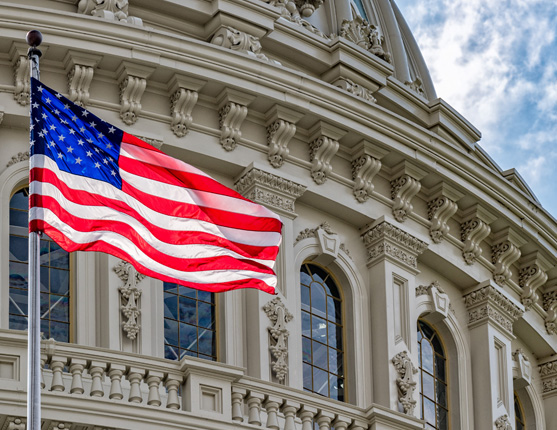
491	314
279	195
548	373
392	261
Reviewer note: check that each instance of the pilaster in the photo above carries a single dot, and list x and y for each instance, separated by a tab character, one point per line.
392	261
491	315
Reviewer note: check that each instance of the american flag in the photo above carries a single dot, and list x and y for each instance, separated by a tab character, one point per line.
94	187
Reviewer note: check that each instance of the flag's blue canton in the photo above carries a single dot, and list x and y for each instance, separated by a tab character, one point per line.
78	141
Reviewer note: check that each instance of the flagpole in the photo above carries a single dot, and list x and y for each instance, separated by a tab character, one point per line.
34	39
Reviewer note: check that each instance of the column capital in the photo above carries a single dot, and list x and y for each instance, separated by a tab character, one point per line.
548	373
270	190
489	303
384	240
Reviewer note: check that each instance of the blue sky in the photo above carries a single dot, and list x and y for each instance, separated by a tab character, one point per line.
495	61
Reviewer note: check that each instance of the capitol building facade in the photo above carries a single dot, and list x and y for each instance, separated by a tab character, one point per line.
417	280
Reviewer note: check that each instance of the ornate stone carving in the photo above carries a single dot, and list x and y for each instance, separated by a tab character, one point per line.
21	156
79	80
440	299
531	276
129	297
113	10
289	10
322	151
182	103
366	36
403	190
474	229
59	426
131	91
21	80
417	86
153	142
279	134
231	117
312	232
505	252
548	373
356	89
15	423
489	304
329	242
522	373
405	381
279	316
236	40
364	169
440	210
383	239
503	423
270	190
307	7
550	306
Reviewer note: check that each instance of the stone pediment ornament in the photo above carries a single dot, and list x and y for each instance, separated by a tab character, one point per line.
522	370
366	36
279	316
129	297
329	242
112	10
440	299
405	381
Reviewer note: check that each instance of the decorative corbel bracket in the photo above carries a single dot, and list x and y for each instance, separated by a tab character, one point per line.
15	423
474	229
281	127
441	207
405	184
323	147
522	369
129	297
132	80
183	97
233	109
236	40
20	63
279	316
532	276
366	163
112	10
80	68
405	381
270	190
550	306
505	252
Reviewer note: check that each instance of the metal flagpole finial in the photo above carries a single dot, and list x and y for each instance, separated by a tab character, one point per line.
34	39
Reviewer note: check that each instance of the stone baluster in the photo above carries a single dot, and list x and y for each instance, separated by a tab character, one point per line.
324	420
172	384
238	395
271	406
135	376
306	414
44	358
154	381
96	370
254	408
76	369
57	364
358	425
341	423
289	409
115	374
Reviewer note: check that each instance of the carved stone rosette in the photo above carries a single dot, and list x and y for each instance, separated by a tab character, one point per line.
405	381
322	151
112	10
182	103
270	190
550	306
129	297
364	169
366	36
384	240
279	316
548	373
356	89
503	423
488	304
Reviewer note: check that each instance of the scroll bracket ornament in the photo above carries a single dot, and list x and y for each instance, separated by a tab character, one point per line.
366	163
20	62
129	297
405	381
441	207
112	10
183	98
550	306
474	229
505	252
80	68
233	109
531	276
503	423
366	36
281	128
132	82
323	147
404	187
279	316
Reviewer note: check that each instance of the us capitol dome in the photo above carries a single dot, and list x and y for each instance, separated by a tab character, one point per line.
417	281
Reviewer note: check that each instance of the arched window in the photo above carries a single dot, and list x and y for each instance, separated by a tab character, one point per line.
322	333
54	273
519	414
358	8
433	404
189	323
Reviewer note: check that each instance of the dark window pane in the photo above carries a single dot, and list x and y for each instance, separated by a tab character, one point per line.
427	331
59	281
60	331
20	200
45	328
18	275
331	287
333	310
204	296
427	356
305	298
308	377
58	257
319	355
19	218
336	386
45	306
188	310
306	324
306	350
18	322
171	332
18	248
188	337
442	421
170	287
440	368
18	302
441	393
437	345
305	279
206	314
318	300
170	352
170	306
335	336
59	308
320	382
206	341
335	361
45	279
